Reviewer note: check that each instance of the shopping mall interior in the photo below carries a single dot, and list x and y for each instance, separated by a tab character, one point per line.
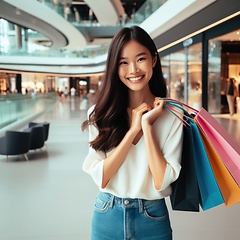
52	61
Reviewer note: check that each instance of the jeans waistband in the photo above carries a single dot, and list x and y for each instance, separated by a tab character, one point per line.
127	202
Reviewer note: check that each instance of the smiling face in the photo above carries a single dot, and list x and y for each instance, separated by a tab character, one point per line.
135	66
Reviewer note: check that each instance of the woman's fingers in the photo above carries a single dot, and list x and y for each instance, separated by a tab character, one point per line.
142	108
137	114
158	102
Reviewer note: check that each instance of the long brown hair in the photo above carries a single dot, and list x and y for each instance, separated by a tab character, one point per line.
111	102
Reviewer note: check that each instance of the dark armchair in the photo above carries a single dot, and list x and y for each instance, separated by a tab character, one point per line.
15	143
45	125
37	136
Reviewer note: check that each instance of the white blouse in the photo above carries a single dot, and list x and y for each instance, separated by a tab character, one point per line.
133	179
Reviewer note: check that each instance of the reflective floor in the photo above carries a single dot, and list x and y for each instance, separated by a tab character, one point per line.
50	198
231	124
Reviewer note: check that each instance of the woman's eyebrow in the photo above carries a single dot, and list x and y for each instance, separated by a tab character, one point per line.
139	54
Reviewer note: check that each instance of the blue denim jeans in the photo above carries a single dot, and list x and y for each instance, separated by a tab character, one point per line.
130	219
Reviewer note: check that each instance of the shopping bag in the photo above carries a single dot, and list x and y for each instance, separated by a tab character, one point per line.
224	144
209	190
228	187
210	195
185	192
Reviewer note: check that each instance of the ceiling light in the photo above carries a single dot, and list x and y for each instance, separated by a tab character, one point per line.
199	31
18	12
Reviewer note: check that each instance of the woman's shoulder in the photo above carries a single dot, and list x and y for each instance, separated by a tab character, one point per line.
90	110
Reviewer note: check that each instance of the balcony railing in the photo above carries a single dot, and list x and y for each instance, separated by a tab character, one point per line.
14	107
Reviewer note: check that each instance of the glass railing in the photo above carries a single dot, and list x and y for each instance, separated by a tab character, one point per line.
147	9
82	53
8	46
14	107
69	13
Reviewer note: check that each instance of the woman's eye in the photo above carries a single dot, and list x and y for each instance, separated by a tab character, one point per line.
141	59
122	63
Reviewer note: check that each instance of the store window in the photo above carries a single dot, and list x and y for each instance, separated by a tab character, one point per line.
173	71
194	62
214	76
183	75
223	64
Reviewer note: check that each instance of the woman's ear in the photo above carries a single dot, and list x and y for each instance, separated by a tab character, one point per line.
154	60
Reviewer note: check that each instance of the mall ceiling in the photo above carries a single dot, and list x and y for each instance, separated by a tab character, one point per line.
16	15
19	12
62	34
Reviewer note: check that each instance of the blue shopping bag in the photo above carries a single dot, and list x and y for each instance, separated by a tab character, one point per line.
209	191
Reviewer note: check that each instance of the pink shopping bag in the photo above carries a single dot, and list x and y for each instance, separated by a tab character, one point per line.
228	186
224	144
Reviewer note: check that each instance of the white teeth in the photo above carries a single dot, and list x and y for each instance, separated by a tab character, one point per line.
134	79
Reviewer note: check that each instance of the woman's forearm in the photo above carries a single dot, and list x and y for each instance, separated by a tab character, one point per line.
116	158
156	161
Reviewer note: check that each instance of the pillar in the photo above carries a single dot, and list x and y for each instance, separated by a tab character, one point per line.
19	83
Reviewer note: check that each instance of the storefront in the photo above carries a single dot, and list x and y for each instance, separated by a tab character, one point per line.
197	69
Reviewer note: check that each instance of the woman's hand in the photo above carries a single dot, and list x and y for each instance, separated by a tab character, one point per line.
151	116
137	114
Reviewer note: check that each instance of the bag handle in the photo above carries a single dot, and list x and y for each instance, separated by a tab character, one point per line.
178	102
177	113
172	104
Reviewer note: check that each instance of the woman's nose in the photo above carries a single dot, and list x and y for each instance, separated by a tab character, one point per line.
133	68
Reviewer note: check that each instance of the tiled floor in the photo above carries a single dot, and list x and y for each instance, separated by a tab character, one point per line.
50	198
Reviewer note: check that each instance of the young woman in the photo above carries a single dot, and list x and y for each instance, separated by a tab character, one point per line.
135	144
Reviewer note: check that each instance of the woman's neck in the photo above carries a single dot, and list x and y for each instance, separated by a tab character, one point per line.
136	98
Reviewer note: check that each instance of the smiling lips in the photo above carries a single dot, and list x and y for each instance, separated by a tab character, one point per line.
135	79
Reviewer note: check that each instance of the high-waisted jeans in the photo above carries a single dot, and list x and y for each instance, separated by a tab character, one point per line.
130	219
